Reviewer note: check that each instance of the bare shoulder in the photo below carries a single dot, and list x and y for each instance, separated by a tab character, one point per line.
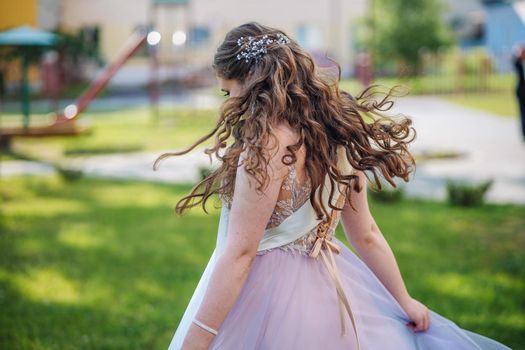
284	136
285	133
276	149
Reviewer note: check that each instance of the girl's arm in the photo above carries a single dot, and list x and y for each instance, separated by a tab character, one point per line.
249	215
365	236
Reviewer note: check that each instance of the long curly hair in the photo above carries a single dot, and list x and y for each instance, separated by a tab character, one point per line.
286	85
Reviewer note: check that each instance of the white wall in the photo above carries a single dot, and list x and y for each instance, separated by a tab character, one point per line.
326	24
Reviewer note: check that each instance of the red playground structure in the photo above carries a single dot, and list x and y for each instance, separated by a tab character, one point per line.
65	122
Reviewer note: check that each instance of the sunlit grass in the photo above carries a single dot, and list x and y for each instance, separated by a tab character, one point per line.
125	130
438	84
501	103
108	265
499	97
46	285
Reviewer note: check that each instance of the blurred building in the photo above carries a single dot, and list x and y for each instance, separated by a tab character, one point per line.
467	19
505	27
497	25
36	13
191	30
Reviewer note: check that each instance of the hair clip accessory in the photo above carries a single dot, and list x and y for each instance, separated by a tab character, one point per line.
255	49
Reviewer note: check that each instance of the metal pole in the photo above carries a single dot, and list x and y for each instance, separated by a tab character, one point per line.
154	93
154	84
25	90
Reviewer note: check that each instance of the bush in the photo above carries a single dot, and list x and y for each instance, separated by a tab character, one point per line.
387	196
205	171
467	195
69	174
73	151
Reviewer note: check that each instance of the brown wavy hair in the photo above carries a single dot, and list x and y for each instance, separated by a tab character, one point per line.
286	85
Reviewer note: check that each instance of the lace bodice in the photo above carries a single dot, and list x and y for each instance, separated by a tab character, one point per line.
291	197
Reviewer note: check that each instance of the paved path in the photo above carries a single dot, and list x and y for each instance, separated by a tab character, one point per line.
24	167
491	147
178	169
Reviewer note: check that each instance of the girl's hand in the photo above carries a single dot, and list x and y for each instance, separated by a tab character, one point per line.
417	313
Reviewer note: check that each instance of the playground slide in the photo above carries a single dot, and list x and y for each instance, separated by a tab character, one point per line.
72	111
64	123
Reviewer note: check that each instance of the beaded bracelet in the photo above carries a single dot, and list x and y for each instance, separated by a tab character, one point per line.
203	326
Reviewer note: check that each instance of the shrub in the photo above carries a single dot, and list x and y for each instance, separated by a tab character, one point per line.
465	194
387	195
69	174
204	171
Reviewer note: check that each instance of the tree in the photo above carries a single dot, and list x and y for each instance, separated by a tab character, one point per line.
400	29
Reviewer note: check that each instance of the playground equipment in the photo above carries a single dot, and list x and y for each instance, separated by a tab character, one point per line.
64	122
25	38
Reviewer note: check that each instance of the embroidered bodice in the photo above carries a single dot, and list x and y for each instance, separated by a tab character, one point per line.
291	197
293	226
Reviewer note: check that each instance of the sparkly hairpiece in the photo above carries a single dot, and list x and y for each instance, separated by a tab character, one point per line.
257	48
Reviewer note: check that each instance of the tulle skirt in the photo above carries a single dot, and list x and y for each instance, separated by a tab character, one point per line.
290	302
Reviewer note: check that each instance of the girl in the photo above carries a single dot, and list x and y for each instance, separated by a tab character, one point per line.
278	277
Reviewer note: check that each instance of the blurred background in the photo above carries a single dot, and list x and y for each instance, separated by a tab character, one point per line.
92	92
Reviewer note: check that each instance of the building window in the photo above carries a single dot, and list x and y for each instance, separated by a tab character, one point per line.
199	36
309	36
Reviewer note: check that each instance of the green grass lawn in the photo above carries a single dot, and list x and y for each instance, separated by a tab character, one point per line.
499	98
438	84
105	264
502	103
123	130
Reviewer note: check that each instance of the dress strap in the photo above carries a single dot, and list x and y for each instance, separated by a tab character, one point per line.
321	243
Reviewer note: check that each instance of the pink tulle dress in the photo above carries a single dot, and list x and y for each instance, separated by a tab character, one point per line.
292	300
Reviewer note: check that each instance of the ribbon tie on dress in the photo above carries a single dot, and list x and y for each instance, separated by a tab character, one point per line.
321	243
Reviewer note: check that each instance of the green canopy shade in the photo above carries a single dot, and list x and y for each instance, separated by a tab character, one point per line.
26	36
